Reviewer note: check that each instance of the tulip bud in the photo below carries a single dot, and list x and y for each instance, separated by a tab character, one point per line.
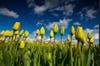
51	34
69	38
62	30
37	32
8	33
78	33
2	32
55	29
83	39
42	31
2	39
16	26
26	34
72	31
89	36
91	40
16	32
22	44
21	32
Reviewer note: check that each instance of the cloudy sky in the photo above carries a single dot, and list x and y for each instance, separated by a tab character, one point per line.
36	13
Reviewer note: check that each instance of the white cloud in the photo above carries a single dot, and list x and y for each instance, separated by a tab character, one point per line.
87	13
90	13
7	12
69	9
40	9
64	22
77	23
96	26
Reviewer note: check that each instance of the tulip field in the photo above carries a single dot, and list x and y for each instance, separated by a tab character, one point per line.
17	50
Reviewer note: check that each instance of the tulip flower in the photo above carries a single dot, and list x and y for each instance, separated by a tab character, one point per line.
78	33
69	38
62	32
91	40
2	39
22	44
21	32
83	39
37	32
51	34
26	34
16	26
55	30
42	32
72	31
2	32
16	32
89	35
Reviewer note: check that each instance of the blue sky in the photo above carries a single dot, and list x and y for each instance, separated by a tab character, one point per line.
32	14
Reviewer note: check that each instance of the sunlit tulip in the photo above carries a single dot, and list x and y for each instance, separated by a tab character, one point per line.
37	32
51	34
21	32
42	32
2	39
26	34
72	30
22	44
78	33
62	31
8	33
2	32
91	40
89	35
16	26
55	29
69	38
83	39
16	32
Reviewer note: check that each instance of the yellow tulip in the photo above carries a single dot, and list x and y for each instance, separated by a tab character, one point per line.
2	32
79	33
8	33
92	40
26	34
51	34
55	29
69	38
21	32
83	39
42	31
62	30
89	35
2	39
22	44
37	32
16	26
72	31
16	32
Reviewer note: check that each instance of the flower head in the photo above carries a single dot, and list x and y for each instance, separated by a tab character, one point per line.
51	34
16	26
55	29
26	34
37	32
22	44
62	31
72	31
